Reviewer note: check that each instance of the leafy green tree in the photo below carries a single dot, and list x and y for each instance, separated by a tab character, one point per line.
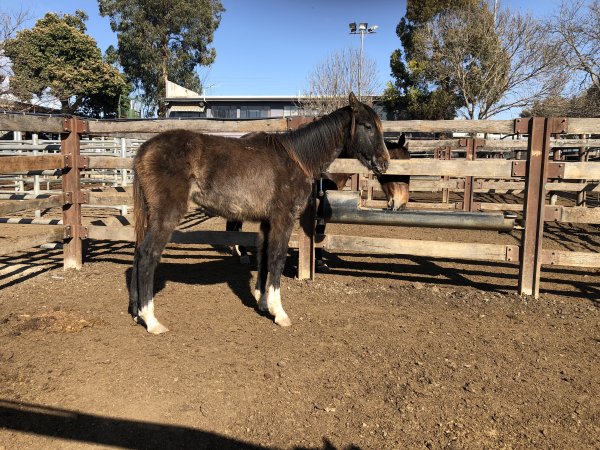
413	95
160	40
57	58
463	57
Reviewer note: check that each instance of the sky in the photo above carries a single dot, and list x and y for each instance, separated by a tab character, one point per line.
269	47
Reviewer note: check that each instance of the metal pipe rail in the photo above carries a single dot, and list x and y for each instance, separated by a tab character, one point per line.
345	207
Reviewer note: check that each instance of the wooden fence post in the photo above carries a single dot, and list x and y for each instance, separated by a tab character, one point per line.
471	144
74	232
538	146
447	155
582	156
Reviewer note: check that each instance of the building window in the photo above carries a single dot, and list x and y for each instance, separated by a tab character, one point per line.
291	110
224	112
255	112
187	114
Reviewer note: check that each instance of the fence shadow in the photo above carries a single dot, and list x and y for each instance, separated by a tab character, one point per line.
107	431
559	281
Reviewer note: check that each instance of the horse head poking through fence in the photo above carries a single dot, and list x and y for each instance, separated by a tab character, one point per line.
271	186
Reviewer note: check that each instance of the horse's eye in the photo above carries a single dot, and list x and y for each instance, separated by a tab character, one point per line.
368	126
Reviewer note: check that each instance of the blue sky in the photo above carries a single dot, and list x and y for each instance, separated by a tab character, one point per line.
269	47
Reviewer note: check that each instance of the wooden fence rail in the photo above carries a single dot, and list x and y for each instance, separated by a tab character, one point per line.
534	177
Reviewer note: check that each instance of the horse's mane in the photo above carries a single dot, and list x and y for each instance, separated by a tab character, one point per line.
312	142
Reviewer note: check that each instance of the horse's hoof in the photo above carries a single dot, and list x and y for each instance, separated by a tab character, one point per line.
157	328
262	305
321	266
283	321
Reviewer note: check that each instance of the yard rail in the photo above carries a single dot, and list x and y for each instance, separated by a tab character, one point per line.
543	171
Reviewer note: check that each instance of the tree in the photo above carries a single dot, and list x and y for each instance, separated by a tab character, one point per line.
492	64
335	77
584	104
413	95
576	31
57	59
158	41
9	24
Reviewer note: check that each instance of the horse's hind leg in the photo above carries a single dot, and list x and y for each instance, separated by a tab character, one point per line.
278	239
238	250
146	259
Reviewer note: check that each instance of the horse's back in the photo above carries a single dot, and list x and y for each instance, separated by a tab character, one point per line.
237	178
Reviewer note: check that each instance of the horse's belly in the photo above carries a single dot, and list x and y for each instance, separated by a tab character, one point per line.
234	204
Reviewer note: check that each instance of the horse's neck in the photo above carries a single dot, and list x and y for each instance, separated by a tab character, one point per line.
320	142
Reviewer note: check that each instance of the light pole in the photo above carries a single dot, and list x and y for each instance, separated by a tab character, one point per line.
363	27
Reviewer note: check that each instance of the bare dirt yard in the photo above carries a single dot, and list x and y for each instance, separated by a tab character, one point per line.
384	352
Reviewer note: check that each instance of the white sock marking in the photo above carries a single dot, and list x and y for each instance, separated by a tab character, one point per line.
152	324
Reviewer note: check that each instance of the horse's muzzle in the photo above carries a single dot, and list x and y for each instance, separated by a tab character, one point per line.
379	165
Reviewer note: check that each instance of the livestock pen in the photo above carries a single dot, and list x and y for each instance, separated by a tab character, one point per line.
388	350
540	177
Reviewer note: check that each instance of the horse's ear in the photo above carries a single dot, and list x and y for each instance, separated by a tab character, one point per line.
354	103
401	140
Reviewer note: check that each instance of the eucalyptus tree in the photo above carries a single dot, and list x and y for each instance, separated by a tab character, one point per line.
160	40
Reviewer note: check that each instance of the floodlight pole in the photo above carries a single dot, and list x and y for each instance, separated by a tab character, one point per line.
362	28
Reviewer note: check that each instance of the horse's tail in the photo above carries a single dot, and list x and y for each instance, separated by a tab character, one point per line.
140	211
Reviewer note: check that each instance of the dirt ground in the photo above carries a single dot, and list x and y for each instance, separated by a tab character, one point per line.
384	352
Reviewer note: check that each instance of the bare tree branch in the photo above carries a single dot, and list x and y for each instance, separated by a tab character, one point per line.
10	23
493	63
333	79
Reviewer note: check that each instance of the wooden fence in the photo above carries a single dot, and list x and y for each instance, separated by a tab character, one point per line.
542	171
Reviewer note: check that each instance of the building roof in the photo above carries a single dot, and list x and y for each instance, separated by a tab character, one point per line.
236	98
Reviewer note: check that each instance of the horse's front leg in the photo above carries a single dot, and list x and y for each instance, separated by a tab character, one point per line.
278	239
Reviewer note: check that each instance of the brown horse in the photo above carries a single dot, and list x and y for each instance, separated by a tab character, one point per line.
395	188
265	178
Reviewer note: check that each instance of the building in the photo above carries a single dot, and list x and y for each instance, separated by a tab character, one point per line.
184	103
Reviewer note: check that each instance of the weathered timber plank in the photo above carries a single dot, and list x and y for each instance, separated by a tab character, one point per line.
110	198
13	206
115	127
491	168
230	238
27	242
450	126
582	170
25	122
433	249
109	162
573	187
24	164
580	214
582	125
570	259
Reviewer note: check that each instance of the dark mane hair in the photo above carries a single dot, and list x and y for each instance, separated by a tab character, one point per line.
312	140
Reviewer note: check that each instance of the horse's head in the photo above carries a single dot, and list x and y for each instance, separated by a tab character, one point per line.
366	137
